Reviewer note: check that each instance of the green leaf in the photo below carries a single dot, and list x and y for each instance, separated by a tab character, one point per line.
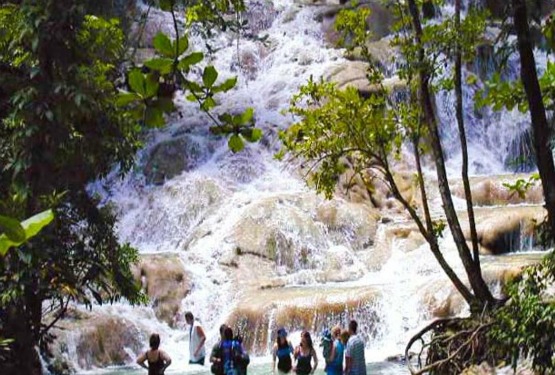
236	143
209	76
12	229
191	59
154	117
151	87
208	104
253	134
227	85
137	82
163	45
165	104
247	116
124	98
31	227
182	45
160	64
166	5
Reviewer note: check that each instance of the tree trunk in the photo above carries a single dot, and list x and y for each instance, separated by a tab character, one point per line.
540	128
24	358
462	136
480	288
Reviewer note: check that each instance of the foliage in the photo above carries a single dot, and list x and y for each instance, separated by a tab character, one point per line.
16	233
60	129
150	94
525	326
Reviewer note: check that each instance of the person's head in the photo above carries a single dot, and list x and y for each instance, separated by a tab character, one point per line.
306	340
353	326
336	332
281	336
345	336
154	341
222	330
189	318
228	333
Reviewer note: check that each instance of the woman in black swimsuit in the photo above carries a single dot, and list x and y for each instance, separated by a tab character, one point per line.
304	354
157	359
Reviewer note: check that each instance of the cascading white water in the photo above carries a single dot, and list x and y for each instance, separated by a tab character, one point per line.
202	214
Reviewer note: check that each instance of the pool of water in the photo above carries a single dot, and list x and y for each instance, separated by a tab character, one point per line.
376	368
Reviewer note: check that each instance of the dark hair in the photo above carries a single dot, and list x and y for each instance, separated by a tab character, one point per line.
154	341
189	315
222	329
353	326
228	333
306	335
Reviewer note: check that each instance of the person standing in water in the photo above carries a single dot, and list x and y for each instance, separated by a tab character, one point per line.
355	363
157	359
304	354
196	340
282	350
335	360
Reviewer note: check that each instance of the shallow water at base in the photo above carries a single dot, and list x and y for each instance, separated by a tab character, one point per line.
376	368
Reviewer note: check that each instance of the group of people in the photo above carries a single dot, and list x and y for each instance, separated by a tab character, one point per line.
156	361
344	344
343	356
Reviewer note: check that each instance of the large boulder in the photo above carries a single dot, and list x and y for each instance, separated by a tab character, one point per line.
85	340
169	158
166	283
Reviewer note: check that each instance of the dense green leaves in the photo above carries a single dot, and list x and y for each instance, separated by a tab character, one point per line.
525	326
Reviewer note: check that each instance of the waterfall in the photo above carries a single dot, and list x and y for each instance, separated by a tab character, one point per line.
261	250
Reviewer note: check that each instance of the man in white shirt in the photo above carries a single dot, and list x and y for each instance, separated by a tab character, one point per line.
196	340
355	363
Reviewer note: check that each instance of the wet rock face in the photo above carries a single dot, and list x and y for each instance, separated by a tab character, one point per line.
170	158
490	191
94	340
510	229
298	232
260	314
166	283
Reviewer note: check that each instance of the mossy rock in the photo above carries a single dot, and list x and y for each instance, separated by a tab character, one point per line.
170	158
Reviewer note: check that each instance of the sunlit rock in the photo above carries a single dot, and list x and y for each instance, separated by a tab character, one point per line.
166	283
507	229
93	340
260	314
489	191
301	231
354	74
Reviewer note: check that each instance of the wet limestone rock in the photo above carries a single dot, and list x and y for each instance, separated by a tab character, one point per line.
489	191
353	74
260	313
166	283
303	231
94	340
169	158
506	229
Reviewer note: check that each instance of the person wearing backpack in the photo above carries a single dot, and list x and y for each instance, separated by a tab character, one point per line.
230	351
335	360
216	356
242	358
